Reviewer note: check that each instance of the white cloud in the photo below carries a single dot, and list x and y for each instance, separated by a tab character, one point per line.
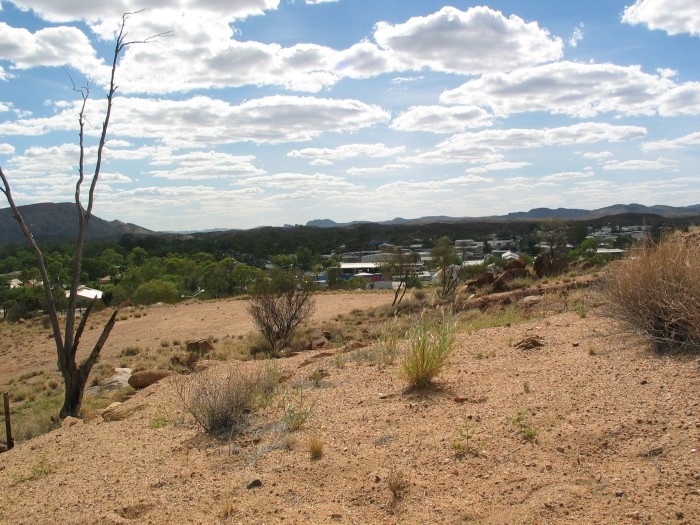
576	36
202	165
347	151
441	119
468	42
485	146
300	181
6	149
51	46
595	155
673	16
386	168
498	166
203	121
692	139
639	165
4	75
320	1
568	175
579	90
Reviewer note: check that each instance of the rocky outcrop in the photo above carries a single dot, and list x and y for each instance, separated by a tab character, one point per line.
118	380
144	378
499	285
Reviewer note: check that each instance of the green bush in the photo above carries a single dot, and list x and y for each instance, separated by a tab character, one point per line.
656	292
429	346
156	291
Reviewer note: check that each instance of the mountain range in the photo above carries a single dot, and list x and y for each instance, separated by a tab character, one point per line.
57	221
538	214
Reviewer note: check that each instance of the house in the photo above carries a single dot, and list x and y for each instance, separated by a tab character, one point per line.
87	293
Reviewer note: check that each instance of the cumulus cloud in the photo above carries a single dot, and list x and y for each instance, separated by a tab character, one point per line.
347	151
6	149
202	165
639	165
204	121
595	155
579	90
468	42
51	46
568	175
441	119
692	139
386	168
300	181
498	166
673	16
576	36
485	146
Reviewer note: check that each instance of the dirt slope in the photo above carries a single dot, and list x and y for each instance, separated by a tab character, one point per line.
615	437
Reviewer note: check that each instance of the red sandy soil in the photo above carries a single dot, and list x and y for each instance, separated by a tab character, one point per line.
617	438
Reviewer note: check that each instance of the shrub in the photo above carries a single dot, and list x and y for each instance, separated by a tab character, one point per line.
156	291
280	303
429	346
219	402
657	292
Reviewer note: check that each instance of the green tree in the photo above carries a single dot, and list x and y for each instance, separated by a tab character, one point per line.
399	267
157	291
448	265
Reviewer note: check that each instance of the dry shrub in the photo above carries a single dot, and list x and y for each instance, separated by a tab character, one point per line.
219	401
657	292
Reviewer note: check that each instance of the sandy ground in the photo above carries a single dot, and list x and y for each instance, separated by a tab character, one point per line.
35	349
615	438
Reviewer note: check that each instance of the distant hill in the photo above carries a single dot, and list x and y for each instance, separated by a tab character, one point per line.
58	222
537	214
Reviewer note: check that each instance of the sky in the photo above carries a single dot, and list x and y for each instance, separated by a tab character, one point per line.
244	113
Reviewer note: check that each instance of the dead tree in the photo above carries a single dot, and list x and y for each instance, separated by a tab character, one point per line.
75	375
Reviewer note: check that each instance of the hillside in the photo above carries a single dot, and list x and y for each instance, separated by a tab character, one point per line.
58	222
591	427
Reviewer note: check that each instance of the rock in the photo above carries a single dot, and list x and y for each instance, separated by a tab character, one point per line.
531	299
199	348
120	411
529	342
316	339
486	278
515	263
507	276
144	378
70	421
327	335
118	380
354	345
254	484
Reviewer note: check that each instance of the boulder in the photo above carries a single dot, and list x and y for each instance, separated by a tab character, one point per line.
486	278
118	380
515	263
200	348
120	411
70	421
499	284
316	339
144	378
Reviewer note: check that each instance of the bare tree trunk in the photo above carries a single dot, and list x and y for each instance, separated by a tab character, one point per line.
75	376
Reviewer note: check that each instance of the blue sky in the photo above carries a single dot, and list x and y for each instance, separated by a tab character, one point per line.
271	112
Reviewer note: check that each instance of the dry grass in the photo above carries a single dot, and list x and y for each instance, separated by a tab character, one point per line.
219	403
429	346
657	292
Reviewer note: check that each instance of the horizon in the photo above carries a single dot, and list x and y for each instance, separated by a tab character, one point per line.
279	112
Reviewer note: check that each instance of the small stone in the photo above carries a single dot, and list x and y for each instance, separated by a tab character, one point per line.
619	493
254	484
680	515
70	421
643	382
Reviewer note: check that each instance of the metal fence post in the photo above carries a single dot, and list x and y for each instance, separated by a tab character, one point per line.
8	424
